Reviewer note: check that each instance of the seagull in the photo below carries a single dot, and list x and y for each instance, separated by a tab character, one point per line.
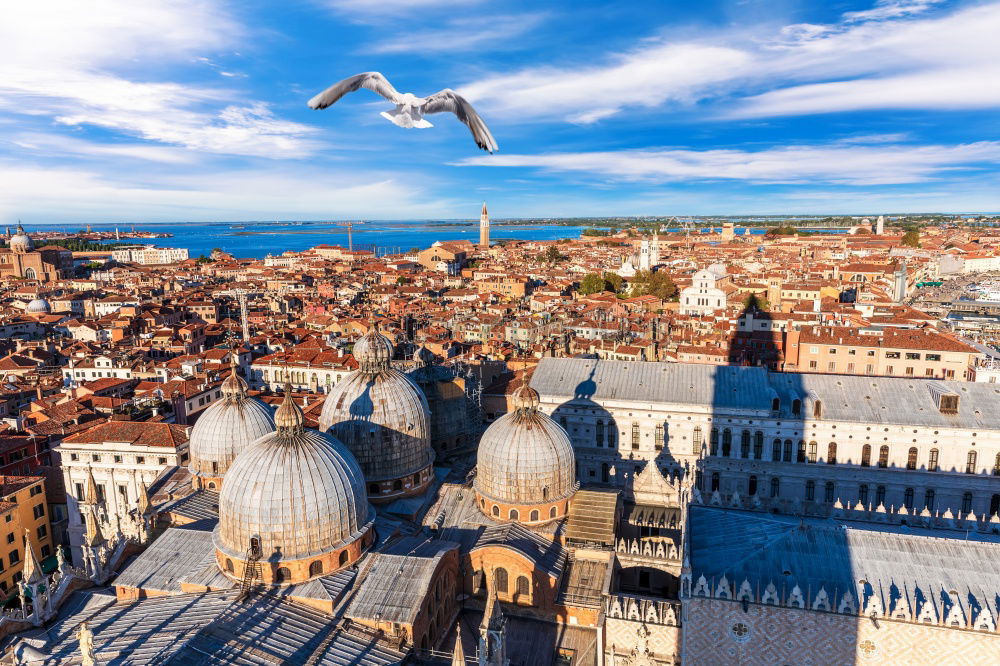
410	109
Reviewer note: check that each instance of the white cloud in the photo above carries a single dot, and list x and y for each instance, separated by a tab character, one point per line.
886	59
890	9
843	164
391	8
462	34
71	61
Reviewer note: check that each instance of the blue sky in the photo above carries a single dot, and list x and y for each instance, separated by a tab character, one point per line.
195	109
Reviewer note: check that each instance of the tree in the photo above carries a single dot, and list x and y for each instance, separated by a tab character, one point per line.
649	283
552	255
613	281
862	231
591	283
911	238
755	302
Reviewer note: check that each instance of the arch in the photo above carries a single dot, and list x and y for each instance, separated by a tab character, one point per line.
911	459
883	456
866	455
229	565
831	453
397	484
496	511
970	462
522	586
282	574
373	489
545	492
211	485
345	556
29	273
552	512
513	514
500	579
796	407
533	516
316	568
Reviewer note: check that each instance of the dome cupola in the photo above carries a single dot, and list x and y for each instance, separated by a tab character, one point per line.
297	497
21	242
38	306
525	467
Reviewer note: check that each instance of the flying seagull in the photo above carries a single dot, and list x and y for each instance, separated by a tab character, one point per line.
410	109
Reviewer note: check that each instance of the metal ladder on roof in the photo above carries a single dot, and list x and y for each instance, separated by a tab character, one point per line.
251	570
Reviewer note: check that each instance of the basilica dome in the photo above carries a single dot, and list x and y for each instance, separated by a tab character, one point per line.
381	415
227	427
525	467
38	306
21	242
298	496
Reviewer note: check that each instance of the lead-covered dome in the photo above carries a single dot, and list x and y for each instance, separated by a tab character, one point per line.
38	306
225	429
299	496
526	469
381	415
21	242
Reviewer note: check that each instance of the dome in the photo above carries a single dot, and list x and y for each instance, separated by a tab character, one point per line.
301	495
20	241
226	428
381	415
38	306
525	458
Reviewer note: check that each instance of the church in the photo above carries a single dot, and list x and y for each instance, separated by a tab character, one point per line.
605	519
20	259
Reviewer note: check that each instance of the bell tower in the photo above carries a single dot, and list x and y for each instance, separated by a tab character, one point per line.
484	228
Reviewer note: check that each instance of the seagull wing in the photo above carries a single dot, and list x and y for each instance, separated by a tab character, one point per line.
373	81
449	100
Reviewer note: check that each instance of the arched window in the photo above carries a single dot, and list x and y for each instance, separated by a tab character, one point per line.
880	496
255	544
970	463
801	452
818	409
996	465
715	481
545	492
994	505
523	588
373	489
745	444
775	404
775	487
831	453
866	455
229	565
211	485
696	441
659	438
752	486
813	451
883	456
599	432
500	580
513	514
828	492
727	442
397	485
929	500
758	445
810	490
911	458
713	441
344	557
552	512
215	467
29	273
796	407
776	450
908	498
282	574
315	568
863	493
533	516
787	457
496	511
967	503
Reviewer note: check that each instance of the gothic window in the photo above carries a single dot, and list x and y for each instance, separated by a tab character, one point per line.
880	496
883	456
929	500
612	435
810	490
775	487
752	487
727	442
600	433
908	498
745	444
813	452
801	452
787	457
866	455
967	503
715	481
911	458
696	441
970	463
796	407
828	492
500	579
316	568
831	453
713	441
523	586
758	445
863	493
29	273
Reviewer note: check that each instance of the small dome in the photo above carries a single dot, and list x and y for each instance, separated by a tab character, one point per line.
525	457
373	351
21	242
299	492
226	428
38	306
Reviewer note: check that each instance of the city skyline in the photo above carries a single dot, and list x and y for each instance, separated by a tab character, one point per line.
197	111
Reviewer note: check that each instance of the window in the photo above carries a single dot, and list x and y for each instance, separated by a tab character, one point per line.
932	357
966	505
117	459
892	354
863	493
745	444
727	442
752	487
599	433
713	441
758	445
883	456
970	463
315	568
880	496
162	460
796	407
908	498
812	452
912	356
787	457
282	574
929	500
15	557
801	452
500	579
831	453
776	450
612	435
775	487
949	404
932	461
696	441
229	565
828	492
74	457
345	556
635	436
42	531
95	457
38	510
660	439
496	511
523	588
810	490
911	458
513	514
996	465
715	481
776	404
552	512
10	538
533	516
